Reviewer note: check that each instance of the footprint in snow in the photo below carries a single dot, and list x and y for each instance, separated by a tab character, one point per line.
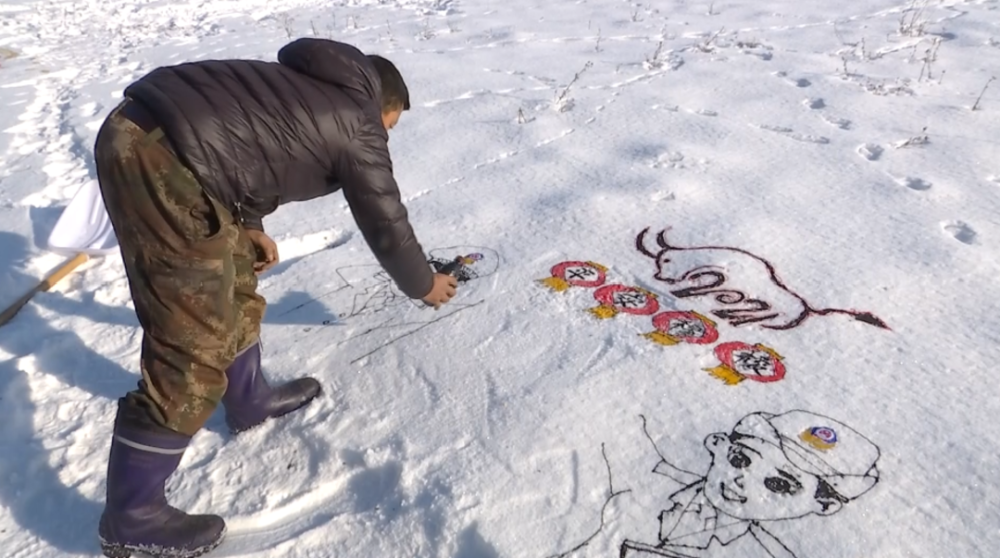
814	104
841	123
706	112
870	151
797	82
809	138
777	129
994	179
788	132
672	160
914	183
960	231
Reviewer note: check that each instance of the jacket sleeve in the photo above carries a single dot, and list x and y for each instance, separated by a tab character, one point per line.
254	207
251	219
365	172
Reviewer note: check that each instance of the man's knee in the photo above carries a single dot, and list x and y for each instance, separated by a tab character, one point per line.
185	382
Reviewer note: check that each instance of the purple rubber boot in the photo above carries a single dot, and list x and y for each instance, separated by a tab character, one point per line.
249	400
136	516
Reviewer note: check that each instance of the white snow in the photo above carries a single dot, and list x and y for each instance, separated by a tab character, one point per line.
835	140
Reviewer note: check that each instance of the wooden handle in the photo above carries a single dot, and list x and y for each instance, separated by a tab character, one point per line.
63	271
45	285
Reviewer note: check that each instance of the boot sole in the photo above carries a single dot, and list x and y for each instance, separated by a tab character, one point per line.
117	550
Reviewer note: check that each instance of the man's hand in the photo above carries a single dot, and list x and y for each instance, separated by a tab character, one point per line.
442	291
267	251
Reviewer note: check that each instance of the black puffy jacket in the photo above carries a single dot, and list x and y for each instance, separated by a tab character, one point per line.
260	134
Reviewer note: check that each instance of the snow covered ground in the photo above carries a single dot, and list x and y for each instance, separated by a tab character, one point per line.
800	156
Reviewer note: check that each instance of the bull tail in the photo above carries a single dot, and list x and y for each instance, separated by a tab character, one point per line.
865	317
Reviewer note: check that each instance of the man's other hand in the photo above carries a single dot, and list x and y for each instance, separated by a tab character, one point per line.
267	251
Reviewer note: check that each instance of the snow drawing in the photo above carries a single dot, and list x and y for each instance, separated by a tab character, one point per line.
769	469
380	292
478	263
738	360
728	274
615	299
682	327
741	361
575	274
368	291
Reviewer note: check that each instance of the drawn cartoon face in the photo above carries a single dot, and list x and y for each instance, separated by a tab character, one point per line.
751	479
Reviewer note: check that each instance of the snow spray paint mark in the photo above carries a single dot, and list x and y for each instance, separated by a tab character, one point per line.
575	274
699	271
741	361
770	468
822	438
673	328
615	299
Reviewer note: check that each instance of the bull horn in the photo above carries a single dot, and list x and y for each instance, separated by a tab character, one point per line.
640	244
661	239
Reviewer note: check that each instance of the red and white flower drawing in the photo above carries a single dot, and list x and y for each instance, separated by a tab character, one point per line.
741	361
615	299
575	274
673	328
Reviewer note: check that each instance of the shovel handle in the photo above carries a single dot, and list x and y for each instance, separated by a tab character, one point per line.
44	285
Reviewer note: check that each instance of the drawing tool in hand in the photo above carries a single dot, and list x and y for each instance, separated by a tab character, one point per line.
451	269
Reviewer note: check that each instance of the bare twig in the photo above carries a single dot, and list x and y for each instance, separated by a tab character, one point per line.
930	56
983	92
855	45
915	25
707	45
426	33
576	77
653	61
635	13
287	24
597	47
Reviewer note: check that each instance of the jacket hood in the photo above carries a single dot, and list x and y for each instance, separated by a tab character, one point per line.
336	63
